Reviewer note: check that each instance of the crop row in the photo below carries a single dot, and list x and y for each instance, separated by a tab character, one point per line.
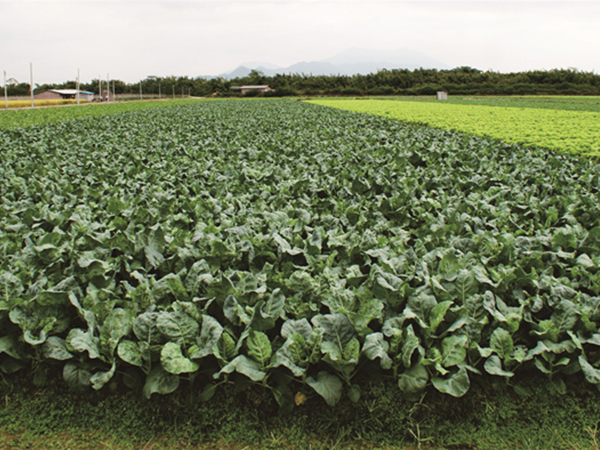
293	246
567	131
11	119
557	102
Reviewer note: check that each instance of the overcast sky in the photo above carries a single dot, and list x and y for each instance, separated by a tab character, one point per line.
131	39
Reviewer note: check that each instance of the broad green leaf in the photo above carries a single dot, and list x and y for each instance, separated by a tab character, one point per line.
177	326
327	386
314	243
302	327
99	379
176	287
130	352
159	381
75	376
31	339
119	323
542	366
454	350
413	381
592	375
456	385
352	350
410	344
565	315
465	284
274	305
11	288
289	358
266	314
421	305
82	341
501	342
116	326
259	348
173	361
449	266
336	329
234	312
153	252
438	312
394	323
226	347
376	346
210	334
145	328
53	348
10	346
245	366
493	366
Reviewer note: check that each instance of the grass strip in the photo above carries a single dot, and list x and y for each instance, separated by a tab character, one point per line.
491	416
11	119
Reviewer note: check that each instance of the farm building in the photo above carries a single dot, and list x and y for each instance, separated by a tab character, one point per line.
106	96
259	88
64	94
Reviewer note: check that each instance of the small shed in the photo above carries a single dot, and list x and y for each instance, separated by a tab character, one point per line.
442	95
64	94
258	88
106	96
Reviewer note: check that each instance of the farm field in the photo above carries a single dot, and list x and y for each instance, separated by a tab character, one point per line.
27	103
10	119
559	129
298	256
561	102
566	103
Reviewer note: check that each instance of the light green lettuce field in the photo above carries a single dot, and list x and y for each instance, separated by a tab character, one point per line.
566	131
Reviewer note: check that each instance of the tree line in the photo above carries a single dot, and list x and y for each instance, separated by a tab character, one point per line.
457	81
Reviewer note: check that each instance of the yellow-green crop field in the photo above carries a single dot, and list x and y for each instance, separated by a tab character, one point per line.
567	131
27	103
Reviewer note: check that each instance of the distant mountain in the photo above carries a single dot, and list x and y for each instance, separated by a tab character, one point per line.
264	65
349	62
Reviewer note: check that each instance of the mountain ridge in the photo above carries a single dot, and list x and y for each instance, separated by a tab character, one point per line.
348	62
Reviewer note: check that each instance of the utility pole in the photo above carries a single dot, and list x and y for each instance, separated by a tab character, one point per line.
31	73
159	90
173	91
141	98
107	88
5	91
99	88
77	87
114	97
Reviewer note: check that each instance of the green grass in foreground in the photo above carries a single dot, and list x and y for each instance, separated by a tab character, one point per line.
490	416
566	131
31	117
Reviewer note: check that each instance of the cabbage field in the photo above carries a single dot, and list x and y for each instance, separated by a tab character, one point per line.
292	246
